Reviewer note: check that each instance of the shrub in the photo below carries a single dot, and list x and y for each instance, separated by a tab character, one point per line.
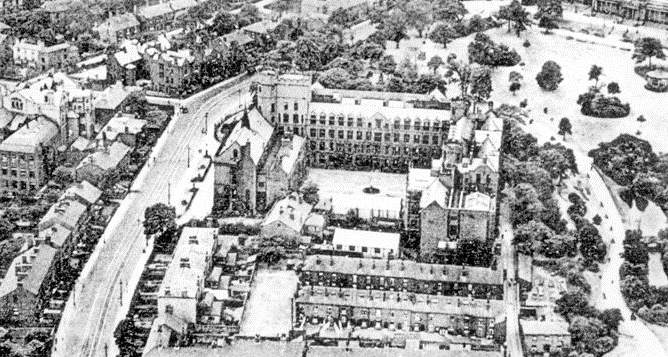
597	220
487	52
526	43
597	105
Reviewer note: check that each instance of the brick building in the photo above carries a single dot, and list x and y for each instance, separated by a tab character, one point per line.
37	55
456	198
171	72
28	157
365	129
400	310
399	275
254	164
541	337
118	27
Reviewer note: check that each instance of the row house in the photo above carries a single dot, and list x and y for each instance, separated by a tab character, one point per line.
399	275
162	16
171	72
399	311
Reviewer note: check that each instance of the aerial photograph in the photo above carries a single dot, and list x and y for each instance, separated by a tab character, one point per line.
333	178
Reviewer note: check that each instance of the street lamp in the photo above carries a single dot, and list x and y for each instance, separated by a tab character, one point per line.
188	162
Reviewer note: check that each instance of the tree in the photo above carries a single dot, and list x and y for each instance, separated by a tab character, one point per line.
159	218
443	34
464	73
516	15
418	15
647	47
394	27
481	84
340	17
597	220
565	127
595	72
550	76
611	318
435	62
549	8
387	64
308	54
530	236
249	12
515	76
310	192
525	205
334	78
613	88
572	304
407	70
6	229
485	51
224	23
282	6
449	10
514	87
548	23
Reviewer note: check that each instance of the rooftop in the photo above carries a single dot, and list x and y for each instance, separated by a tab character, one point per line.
84	190
30	136
403	269
106	158
261	27
40	267
56	234
318	351
423	303
119	22
544	328
239	348
382	240
342	203
291	211
121	124
112	97
186	272
65	212
256	131
372	110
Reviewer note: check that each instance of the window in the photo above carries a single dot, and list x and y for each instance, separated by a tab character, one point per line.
341	134
396	137
364	249
331	119
169	309
397	124
407	138
351	248
434	140
312	133
286	118
359	135
285	106
323	119
350	121
368	135
321	133
425	139
378	137
295	118
339	247
331	133
376	250
349	134
360	122
416	139
313	119
340	120
4	171
296	106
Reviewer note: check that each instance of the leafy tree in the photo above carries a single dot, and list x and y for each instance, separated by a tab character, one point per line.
550	76
525	205
159	218
224	23
514	87
449	10
585	332
443	34
485	51
613	88
565	127
515	76
515	14
573	304
6	229
334	78
418	15
310	192
549	8
595	104
368	51
646	48
387	64
435	62
249	12
624	158
478	24
595	72
530	236
481	83
407	69
611	318
394	27
340	17
308	54
548	23
282	6
597	220
591	244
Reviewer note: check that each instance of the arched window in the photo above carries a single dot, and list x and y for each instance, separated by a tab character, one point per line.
235	154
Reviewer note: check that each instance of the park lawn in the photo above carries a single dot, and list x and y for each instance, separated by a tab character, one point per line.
575	58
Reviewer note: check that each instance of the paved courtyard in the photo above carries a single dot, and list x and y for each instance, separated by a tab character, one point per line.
353	182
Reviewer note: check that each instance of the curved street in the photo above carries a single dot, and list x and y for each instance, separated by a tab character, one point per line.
92	312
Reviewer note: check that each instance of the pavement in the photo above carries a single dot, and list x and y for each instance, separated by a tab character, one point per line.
107	283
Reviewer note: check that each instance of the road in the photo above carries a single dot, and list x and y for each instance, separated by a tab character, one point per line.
647	343
511	288
87	326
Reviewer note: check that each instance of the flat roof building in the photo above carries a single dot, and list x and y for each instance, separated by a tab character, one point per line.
369	243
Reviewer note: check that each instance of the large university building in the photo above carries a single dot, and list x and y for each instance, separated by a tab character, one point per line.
358	129
456	198
652	11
